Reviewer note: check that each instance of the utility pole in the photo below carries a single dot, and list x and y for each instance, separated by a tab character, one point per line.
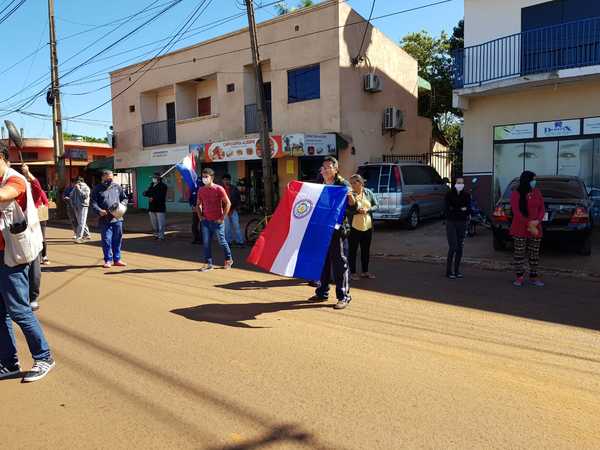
261	107
59	148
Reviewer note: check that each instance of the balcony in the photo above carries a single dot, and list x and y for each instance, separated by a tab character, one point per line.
251	118
159	133
550	49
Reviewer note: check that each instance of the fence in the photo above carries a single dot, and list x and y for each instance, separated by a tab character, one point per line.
442	162
159	133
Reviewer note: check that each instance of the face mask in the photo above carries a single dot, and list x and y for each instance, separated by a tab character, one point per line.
108	181
155	180
533	184
205	180
459	187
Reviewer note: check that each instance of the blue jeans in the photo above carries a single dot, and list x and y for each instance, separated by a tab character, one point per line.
14	307
232	225
112	238
210	228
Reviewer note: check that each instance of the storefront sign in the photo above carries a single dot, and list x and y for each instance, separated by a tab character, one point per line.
559	128
240	150
76	154
167	156
591	125
509	132
301	144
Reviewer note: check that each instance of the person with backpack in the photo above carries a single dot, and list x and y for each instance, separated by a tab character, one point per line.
80	200
16	200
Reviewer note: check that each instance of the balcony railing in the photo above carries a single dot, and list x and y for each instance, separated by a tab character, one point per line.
548	49
251	118
159	133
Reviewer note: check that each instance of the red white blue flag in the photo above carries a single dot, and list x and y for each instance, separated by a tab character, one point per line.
187	169
296	239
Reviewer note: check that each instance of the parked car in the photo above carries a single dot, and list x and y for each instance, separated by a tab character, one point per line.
568	213
406	191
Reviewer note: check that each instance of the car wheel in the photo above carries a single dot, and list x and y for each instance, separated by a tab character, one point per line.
413	219
499	243
586	247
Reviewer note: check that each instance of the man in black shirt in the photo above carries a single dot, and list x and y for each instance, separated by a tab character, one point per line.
157	198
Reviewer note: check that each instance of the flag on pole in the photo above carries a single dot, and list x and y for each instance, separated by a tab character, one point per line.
187	169
296	240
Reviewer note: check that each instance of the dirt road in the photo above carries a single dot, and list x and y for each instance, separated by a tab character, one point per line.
158	355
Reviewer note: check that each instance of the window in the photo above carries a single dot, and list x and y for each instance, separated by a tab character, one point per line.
371	176
415	175
29	156
304	84
231	87
557	12
204	107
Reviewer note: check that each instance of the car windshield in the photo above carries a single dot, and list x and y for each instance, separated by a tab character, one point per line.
371	176
557	188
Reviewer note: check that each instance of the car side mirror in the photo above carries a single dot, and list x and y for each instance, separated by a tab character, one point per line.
445	180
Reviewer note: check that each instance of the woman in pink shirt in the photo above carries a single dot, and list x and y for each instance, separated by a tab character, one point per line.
528	211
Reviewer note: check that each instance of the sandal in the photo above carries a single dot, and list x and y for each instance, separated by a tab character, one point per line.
368	275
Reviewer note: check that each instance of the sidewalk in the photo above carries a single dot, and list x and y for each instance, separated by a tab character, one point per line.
425	244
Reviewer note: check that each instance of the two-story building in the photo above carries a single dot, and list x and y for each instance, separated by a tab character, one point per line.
528	82
329	92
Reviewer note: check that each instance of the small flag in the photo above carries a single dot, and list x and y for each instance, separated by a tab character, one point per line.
296	240
187	169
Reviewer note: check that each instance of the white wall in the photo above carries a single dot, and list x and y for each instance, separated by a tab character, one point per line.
486	20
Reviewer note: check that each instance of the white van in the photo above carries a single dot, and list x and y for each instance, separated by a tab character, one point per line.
407	191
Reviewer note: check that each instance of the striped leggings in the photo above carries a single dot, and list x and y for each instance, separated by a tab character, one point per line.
520	252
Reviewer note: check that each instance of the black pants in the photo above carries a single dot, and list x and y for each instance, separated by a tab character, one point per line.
455	231
35	279
337	263
363	240
196	227
45	247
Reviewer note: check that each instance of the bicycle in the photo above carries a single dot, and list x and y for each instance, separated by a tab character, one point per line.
256	226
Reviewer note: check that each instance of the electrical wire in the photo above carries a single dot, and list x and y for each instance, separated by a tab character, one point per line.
365	33
11	12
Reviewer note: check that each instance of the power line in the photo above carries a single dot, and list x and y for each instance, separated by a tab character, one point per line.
11	12
365	33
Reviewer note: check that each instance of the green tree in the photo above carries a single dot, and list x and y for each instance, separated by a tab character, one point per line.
282	8
76	137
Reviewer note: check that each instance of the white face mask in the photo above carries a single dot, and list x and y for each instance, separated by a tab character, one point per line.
459	187
155	180
205	180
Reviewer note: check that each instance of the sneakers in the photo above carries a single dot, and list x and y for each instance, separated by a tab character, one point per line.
40	369
120	264
228	264
8	370
368	275
45	261
536	282
79	241
451	276
107	265
354	277
207	268
459	275
519	282
317	299
34	306
342	304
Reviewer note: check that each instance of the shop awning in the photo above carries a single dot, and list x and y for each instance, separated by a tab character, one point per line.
424	85
102	164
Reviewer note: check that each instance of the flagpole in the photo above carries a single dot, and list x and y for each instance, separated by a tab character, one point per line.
168	171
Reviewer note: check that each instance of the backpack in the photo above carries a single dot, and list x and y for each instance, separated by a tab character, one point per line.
23	240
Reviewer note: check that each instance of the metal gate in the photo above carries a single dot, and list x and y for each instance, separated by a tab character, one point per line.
440	161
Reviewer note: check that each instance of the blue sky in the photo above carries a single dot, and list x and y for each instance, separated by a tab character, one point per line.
27	30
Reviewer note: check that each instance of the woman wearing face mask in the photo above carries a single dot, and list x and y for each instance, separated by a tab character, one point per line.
458	209
528	210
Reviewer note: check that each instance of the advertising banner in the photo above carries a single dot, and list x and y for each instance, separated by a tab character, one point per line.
302	144
240	150
591	125
559	128
510	132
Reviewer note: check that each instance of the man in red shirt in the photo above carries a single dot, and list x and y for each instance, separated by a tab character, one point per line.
14	292
213	206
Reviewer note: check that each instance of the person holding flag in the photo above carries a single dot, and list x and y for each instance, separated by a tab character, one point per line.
187	169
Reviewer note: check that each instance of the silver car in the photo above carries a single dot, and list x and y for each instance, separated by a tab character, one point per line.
406	191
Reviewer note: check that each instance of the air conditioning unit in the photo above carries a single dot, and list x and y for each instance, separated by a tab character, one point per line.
393	119
373	83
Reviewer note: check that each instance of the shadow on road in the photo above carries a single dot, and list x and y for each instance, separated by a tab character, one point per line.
59	269
253	285
234	315
284	433
142	271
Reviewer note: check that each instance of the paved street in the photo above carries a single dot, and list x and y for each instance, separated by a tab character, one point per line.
158	355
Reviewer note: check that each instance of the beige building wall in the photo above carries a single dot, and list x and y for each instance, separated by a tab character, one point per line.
564	101
362	112
486	20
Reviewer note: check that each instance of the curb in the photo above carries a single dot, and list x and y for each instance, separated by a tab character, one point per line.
490	265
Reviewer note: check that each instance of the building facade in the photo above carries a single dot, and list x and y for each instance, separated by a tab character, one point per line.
319	102
528	82
38	154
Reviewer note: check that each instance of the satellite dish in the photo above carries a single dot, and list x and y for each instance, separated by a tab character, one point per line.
13	134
